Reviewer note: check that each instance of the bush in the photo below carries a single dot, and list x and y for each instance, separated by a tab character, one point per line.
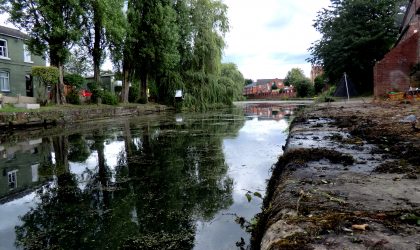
75	80
142	100
327	96
109	98
304	89
73	97
133	93
96	92
319	84
46	76
118	89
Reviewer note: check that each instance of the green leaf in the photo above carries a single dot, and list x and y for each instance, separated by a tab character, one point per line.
257	195
248	197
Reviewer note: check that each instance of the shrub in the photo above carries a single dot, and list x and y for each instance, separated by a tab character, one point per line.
96	91
73	97
133	93
319	84
75	80
109	98
142	100
46	76
304	89
118	89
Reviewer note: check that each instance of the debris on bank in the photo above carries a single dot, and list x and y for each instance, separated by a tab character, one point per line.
349	179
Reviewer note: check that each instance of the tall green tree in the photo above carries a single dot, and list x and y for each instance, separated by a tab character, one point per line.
155	36
103	23
295	76
210	24
53	27
302	84
355	34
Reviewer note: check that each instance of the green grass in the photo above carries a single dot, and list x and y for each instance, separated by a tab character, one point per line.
10	109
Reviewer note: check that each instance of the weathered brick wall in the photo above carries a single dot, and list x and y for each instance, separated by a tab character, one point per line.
393	71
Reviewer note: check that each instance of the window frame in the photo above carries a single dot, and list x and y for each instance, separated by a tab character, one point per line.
27	54
8	81
12	175
6	49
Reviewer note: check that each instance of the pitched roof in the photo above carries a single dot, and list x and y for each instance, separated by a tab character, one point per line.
265	81
12	32
251	85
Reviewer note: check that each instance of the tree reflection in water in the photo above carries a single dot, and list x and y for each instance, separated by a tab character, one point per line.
168	177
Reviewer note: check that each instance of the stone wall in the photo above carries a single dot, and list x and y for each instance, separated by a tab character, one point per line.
39	118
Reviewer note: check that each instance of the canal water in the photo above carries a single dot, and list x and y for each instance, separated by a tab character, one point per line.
168	181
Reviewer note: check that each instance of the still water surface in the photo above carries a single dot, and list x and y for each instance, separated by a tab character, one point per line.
170	181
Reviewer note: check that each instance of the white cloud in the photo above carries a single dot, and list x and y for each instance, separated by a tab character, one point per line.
268	38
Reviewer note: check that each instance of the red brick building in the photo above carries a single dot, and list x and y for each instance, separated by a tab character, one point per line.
316	70
392	73
263	88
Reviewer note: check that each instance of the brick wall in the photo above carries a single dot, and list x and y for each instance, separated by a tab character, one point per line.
393	71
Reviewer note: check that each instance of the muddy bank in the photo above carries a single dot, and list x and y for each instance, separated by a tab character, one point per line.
66	115
349	179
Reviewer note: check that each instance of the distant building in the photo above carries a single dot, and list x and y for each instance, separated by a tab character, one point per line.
393	72
268	88
107	82
316	70
16	63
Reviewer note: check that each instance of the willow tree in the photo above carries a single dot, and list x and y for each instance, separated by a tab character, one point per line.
53	26
210	24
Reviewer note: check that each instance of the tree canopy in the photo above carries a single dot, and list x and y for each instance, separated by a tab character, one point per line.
355	35
295	76
164	45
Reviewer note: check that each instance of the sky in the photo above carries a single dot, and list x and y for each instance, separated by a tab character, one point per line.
267	38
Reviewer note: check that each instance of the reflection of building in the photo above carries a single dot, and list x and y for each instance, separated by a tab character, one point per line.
19	165
266	88
269	111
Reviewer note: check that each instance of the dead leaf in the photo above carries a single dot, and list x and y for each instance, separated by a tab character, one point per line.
360	227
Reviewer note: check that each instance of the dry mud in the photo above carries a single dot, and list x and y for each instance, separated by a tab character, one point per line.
349	179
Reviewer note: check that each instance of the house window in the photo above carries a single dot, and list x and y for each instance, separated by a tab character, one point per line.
4	81
26	54
3	48
12	179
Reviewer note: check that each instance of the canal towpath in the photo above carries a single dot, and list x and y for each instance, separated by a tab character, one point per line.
348	180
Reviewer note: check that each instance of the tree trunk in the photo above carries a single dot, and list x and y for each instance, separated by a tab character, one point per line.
61	98
96	53
143	89
125	85
60	144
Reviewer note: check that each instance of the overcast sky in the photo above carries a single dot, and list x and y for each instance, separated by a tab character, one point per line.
268	37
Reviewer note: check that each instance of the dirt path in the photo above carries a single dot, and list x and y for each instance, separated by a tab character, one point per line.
348	180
